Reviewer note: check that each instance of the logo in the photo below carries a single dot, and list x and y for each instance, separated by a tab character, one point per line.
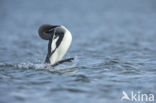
138	97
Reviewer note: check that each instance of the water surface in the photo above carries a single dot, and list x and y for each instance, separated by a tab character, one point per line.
113	43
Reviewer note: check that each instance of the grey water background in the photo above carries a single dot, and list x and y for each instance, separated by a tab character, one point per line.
114	43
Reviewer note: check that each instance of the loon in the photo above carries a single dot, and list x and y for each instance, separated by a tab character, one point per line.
60	40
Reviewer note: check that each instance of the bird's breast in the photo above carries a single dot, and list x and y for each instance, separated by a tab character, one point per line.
62	48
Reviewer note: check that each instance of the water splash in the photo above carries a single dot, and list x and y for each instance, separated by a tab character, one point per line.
70	67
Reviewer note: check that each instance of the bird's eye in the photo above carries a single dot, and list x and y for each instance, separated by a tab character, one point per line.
50	31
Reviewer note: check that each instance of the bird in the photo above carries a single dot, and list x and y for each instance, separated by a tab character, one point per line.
59	38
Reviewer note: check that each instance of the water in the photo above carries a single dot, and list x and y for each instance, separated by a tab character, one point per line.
113	43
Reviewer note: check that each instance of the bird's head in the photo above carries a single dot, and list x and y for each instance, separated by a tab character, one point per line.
46	31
